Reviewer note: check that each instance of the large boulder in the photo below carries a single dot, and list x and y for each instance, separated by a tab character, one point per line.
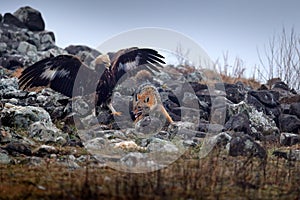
238	123
295	109
289	123
31	18
244	145
23	116
12	20
289	139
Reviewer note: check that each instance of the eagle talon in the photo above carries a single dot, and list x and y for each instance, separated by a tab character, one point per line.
116	113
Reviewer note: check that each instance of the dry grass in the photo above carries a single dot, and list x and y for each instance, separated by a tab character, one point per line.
215	177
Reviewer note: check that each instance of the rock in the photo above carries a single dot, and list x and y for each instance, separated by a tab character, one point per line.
76	49
265	101
26	48
45	150
31	18
137	162
46	132
96	144
215	141
289	139
268	98
34	161
69	161
244	145
85	53
295	109
238	123
149	125
15	148
162	146
4	158
3	47
289	99
280	85
195	76
12	61
261	123
8	85
12	20
182	129
5	136
23	116
289	123
234	92
251	100
292	155
45	40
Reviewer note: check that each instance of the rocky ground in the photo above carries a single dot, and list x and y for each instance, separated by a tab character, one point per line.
42	125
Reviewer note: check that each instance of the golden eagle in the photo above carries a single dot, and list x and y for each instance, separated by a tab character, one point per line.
60	73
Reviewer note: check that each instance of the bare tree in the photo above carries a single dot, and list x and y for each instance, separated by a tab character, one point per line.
282	58
236	70
182	54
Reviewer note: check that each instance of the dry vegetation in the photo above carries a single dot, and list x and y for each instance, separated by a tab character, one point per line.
217	176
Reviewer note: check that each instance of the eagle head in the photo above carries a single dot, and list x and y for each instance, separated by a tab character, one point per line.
102	62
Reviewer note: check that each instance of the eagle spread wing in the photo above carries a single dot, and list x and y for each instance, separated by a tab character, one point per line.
61	73
58	73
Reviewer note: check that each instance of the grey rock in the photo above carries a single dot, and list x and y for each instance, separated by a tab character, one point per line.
196	76
244	145
69	161
260	123
268	98
238	123
295	109
12	20
162	146
96	144
182	129
76	49
4	158
31	18
280	85
292	155
45	150
3	47
13	61
23	116
149	125
46	40
46	132
137	161
5	136
234	92
27	49
34	161
15	148
8	85
289	139
214	141
289	123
